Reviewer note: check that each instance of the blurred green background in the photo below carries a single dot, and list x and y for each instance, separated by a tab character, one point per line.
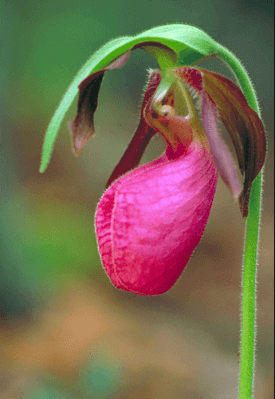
65	331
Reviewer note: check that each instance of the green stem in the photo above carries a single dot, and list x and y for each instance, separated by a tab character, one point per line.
248	333
248	321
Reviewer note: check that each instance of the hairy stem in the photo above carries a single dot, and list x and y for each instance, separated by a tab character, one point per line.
248	316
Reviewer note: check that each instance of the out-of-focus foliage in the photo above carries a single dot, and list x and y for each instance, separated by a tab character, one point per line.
64	329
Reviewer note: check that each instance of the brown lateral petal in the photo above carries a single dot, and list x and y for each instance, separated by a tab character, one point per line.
241	121
142	136
243	125
134	151
82	128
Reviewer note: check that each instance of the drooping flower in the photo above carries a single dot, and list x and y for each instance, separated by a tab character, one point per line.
151	218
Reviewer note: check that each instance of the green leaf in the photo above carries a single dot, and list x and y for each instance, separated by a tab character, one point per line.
190	42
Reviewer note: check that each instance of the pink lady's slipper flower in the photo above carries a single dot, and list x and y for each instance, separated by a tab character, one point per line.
151	218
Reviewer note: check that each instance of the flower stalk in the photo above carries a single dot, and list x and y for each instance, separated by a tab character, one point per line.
249	285
251	247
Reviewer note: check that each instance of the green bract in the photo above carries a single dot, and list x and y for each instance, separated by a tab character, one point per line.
184	44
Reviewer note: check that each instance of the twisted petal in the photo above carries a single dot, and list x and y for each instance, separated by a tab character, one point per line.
220	151
82	127
150	220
